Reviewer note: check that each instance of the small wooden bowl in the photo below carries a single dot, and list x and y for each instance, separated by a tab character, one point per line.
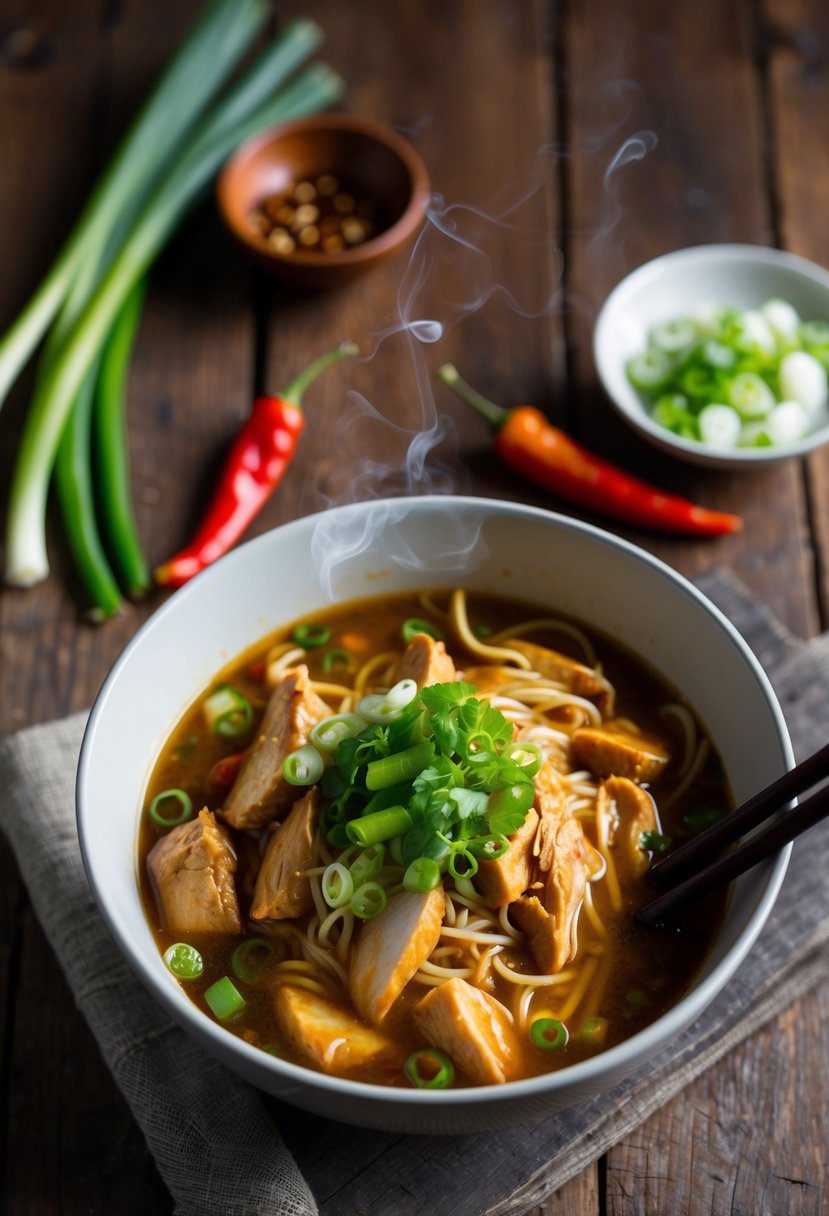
378	166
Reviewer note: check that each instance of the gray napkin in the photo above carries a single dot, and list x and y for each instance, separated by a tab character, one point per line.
214	1138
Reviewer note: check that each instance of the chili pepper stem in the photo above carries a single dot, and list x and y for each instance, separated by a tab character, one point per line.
451	377
292	392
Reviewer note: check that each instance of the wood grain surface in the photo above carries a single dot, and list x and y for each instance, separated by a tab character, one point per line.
567	143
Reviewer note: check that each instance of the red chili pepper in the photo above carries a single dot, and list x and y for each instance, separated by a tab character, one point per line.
225	771
526	441
257	460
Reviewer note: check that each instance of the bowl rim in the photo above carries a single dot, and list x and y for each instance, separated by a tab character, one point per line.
640	419
618	1059
380	133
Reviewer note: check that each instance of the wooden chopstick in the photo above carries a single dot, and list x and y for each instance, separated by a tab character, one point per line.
695	869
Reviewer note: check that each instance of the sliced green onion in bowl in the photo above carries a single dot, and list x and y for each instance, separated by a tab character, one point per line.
422	875
719	426
368	900
224	999
252	958
383	707
594	1032
305	766
337	885
650	371
367	862
228	712
414	625
526	755
327	735
380	825
429	1069
311	635
183	961
674	337
182	800
332	659
549	1034
462	862
488	848
750	396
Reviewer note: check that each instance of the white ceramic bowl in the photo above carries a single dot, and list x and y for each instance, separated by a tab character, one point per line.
388	546
744	276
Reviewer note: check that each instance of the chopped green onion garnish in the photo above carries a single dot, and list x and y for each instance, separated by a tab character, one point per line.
549	1034
414	626
368	901
401	766
328	734
594	1032
337	658
305	766
422	875
182	800
311	636
653	842
526	755
366	864
482	631
488	848
252	958
429	1069
638	998
225	999
462	863
385	706
184	961
701	818
186	748
228	713
337	885
381	825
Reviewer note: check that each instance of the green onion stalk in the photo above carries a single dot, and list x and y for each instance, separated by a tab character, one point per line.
205	60
315	88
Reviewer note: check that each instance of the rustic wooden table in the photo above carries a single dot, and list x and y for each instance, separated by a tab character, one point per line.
567	143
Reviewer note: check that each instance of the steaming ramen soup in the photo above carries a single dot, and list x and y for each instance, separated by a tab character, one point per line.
403	842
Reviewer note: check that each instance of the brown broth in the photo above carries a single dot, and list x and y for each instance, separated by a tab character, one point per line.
650	969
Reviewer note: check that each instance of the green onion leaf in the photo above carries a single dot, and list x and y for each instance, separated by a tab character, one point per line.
327	735
653	842
171	819
366	864
224	999
594	1032
184	961
429	1069
701	818
403	766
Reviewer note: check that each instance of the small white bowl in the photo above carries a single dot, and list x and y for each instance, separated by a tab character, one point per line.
392	546
671	286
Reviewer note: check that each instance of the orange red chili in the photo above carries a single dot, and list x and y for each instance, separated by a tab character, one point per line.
527	442
255	465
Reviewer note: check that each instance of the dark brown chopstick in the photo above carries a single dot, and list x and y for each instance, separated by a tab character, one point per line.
694	868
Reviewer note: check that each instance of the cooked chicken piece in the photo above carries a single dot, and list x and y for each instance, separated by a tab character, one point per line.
426	662
260	793
474	1030
532	918
192	870
391	947
503	879
283	891
581	680
628	811
569	861
614	752
327	1035
550	792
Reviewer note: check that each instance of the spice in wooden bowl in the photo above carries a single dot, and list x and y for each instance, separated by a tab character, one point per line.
322	214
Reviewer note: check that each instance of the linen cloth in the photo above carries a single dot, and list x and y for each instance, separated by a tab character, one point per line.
216	1141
